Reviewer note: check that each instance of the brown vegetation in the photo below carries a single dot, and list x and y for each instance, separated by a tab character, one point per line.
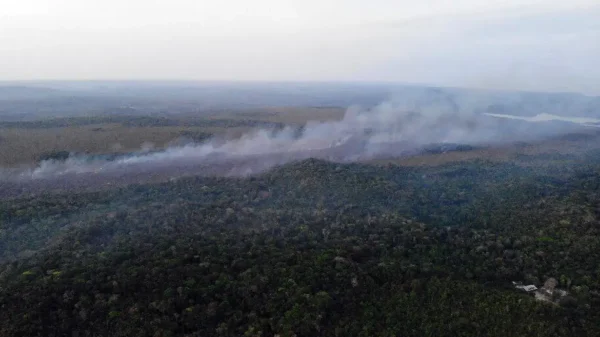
25	144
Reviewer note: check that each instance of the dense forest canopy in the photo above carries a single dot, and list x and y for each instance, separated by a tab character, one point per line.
311	248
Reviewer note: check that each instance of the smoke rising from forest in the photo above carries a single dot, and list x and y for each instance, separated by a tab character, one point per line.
395	128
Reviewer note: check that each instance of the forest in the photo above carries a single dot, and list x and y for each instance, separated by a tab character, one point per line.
312	248
181	168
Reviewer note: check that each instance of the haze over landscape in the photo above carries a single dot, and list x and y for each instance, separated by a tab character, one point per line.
299	168
415	119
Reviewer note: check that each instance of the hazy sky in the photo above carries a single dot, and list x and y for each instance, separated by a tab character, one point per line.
526	44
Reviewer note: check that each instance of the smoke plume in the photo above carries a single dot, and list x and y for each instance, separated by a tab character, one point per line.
395	128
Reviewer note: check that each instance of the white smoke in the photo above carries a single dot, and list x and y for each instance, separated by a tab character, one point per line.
389	129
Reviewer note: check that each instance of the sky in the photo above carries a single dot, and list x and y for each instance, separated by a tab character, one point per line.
543	45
